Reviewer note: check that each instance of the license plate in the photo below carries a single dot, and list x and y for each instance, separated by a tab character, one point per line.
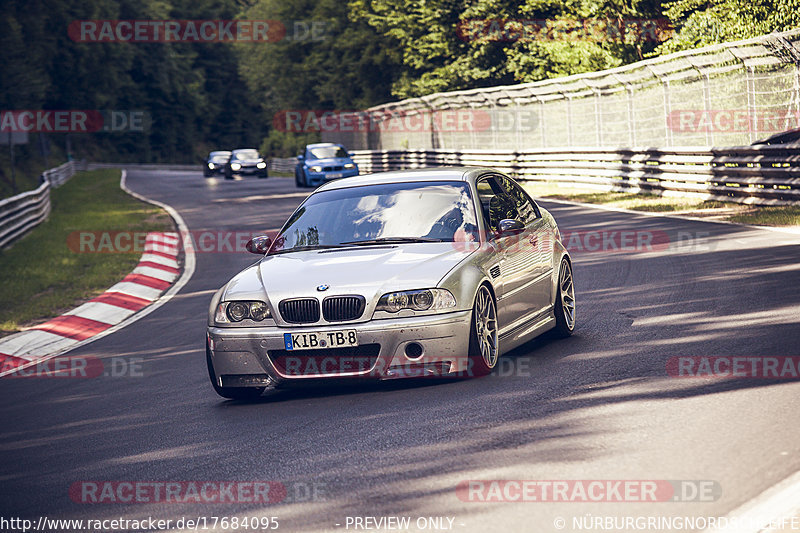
320	339
335	175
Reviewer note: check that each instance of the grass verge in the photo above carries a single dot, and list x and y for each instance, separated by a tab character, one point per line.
712	209
40	277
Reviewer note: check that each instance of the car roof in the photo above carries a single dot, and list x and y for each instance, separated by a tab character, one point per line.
411	175
244	149
321	145
219	152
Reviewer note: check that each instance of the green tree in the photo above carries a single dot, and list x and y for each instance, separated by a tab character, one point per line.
441	52
705	22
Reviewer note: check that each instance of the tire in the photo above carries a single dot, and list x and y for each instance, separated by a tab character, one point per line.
228	173
564	307
232	393
206	173
263	176
483	333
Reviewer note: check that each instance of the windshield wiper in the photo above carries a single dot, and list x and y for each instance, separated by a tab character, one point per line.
311	247
391	240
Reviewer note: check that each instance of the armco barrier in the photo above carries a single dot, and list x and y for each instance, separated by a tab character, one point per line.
283	164
764	175
23	212
728	94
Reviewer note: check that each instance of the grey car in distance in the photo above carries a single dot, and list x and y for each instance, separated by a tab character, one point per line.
416	273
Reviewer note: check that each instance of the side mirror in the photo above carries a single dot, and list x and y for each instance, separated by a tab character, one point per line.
300	157
509	226
351	154
258	245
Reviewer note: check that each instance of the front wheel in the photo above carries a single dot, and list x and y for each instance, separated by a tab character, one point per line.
483	340
565	301
232	393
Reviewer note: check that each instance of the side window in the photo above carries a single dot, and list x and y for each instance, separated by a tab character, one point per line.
495	203
525	207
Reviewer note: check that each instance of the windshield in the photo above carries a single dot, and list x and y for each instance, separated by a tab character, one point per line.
219	158
246	154
438	211
326	152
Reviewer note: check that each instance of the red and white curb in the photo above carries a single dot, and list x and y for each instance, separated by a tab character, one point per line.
150	285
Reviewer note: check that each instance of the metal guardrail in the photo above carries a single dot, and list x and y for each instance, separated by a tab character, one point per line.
283	164
146	166
727	94
23	212
762	175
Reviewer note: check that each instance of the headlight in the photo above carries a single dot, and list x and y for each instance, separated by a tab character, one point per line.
315	169
211	165
261	164
349	165
230	312
235	166
420	300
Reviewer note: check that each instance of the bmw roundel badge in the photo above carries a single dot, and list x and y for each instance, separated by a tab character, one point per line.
323	288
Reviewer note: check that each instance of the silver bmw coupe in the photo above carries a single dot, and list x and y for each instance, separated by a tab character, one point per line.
413	273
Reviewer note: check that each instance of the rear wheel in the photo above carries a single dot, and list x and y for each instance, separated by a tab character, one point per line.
232	393
565	301
483	340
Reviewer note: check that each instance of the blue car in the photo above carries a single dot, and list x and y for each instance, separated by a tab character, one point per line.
323	162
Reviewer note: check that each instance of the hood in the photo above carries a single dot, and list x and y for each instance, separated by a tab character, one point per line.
369	271
330	161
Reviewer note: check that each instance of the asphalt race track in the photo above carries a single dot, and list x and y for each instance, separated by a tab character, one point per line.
597	406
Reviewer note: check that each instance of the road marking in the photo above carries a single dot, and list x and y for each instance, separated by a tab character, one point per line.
155	273
123	300
789	230
133	298
778	502
102	312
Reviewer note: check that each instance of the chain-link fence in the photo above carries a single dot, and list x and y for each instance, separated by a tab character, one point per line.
724	95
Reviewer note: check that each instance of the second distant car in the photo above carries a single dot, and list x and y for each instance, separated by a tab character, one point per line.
215	163
323	162
246	161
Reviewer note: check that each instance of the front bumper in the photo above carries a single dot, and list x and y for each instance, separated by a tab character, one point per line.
250	170
244	353
318	178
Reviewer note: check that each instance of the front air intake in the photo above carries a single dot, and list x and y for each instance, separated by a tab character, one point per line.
342	308
300	310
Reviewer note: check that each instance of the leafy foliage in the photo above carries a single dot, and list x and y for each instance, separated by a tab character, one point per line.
335	56
705	22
